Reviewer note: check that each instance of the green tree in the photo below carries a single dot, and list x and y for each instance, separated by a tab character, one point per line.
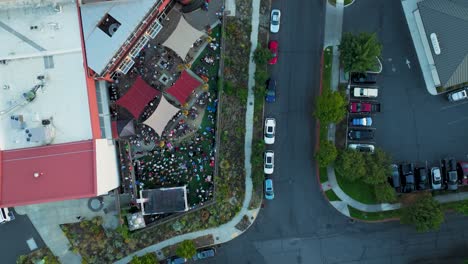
149	258
261	76
326	153
330	107
186	249
384	193
425	214
378	167
262	55
359	52
351	164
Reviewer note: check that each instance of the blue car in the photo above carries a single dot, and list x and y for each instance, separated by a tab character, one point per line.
270	96
269	192
363	121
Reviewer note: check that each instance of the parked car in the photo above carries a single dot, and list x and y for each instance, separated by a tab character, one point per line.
462	168
361	134
422	178
396	177
362	121
177	260
204	253
364	107
451	173
363	77
362	147
270	96
270	130
365	92
458	95
269	162
436	178
275	20
409	184
273	47
269	191
5	215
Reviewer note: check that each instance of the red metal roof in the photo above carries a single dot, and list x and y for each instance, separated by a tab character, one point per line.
139	95
64	172
183	87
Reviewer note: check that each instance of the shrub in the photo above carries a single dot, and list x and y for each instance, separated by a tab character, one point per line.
326	153
378	167
330	107
384	193
425	214
351	164
262	56
149	258
186	249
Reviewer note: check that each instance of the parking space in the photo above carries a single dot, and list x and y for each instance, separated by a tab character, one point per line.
412	125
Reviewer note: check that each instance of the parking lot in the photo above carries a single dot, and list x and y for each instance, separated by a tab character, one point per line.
412	125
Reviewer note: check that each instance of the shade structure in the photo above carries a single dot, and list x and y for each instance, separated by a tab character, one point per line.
183	87
182	38
139	95
161	116
123	128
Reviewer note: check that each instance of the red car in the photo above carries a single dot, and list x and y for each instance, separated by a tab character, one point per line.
364	107
273	47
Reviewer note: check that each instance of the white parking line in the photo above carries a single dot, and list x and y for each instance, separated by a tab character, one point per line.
31	244
453	105
459	120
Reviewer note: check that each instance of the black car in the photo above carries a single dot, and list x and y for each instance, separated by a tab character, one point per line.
363	77
422	178
407	170
450	170
395	180
360	134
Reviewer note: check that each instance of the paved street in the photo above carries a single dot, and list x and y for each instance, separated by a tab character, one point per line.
413	125
13	237
299	226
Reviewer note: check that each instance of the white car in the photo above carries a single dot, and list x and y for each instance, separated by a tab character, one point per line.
365	92
269	164
362	147
269	133
275	21
458	95
436	178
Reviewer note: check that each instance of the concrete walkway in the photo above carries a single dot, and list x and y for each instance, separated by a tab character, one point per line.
228	231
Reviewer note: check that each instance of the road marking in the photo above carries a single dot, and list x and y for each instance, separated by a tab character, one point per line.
453	105
31	244
408	63
459	120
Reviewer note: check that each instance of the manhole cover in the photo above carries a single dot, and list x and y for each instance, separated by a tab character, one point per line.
95	204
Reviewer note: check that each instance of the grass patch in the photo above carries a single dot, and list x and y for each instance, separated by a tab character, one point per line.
359	191
374	216
327	67
323	175
332	196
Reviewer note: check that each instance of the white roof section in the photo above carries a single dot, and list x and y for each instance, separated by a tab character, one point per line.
106	166
161	116
54	51
100	48
182	38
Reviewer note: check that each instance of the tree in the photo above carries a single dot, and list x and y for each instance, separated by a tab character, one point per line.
351	165
186	249
378	167
359	52
326	153
384	193
149	258
262	55
425	214
330	107
261	76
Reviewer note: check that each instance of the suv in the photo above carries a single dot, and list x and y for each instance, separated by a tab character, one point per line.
422	178
204	253
362	147
458	95
363	77
365	92
360	134
436	178
407	170
395	180
452	176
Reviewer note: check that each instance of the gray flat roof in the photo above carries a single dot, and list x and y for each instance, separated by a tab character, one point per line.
100	48
448	19
165	200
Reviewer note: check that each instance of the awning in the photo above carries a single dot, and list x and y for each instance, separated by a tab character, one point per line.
183	87
139	95
182	38
161	116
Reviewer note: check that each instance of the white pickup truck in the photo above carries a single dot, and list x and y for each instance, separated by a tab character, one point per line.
365	92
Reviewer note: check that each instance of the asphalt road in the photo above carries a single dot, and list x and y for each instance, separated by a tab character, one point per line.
299	226
13	237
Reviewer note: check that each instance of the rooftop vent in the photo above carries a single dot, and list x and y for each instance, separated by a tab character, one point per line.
109	25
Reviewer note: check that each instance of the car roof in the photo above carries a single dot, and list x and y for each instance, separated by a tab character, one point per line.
269	183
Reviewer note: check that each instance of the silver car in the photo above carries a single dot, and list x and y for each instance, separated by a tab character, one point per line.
275	21
436	178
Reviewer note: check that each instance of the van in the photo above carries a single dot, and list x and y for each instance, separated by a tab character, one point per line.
4	215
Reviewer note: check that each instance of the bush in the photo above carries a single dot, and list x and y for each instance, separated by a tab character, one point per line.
378	167
425	214
326	153
351	165
330	107
384	193
359	52
186	249
149	258
262	56
261	76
